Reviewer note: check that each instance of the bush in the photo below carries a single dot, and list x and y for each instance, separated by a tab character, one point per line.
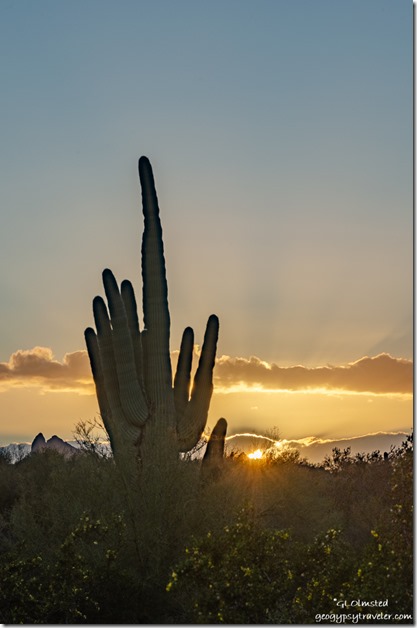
247	574
85	580
71	551
386	570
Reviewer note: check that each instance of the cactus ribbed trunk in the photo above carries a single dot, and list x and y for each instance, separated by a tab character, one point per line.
158	374
149	420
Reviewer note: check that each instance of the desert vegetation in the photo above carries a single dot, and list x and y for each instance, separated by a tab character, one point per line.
267	541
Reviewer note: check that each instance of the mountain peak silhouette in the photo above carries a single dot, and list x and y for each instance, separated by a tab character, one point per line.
57	444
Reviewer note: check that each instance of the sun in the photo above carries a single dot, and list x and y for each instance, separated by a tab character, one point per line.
256	455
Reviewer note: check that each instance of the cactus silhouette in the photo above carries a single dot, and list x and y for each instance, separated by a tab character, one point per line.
149	420
213	456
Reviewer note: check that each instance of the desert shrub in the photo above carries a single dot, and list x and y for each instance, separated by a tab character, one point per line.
70	551
384	573
297	497
56	560
249	574
387	567
54	492
283	495
9	489
358	488
84	581
92	437
9	494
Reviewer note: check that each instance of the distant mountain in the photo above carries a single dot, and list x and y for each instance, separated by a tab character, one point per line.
57	444
315	449
17	451
382	441
311	447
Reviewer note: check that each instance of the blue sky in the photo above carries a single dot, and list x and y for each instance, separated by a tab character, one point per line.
280	133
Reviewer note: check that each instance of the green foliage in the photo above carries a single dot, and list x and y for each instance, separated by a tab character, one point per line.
82	581
69	552
247	574
356	486
386	570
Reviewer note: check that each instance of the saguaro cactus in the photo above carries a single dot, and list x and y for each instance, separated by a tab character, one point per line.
148	419
213	457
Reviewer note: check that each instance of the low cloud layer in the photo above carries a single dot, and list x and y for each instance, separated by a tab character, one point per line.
38	367
382	374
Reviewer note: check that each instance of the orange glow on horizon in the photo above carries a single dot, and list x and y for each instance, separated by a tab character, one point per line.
328	392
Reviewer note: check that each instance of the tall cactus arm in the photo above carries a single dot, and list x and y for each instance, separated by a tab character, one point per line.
97	370
105	345
191	423
212	464
158	374
182	379
129	301
131	395
123	436
215	447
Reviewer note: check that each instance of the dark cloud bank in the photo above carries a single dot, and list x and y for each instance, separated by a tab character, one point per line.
381	374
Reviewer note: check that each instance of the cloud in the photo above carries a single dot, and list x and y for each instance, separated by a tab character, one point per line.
382	374
38	367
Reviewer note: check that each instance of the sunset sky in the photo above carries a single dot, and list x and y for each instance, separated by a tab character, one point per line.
280	134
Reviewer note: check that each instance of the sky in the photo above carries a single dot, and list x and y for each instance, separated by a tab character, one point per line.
281	139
